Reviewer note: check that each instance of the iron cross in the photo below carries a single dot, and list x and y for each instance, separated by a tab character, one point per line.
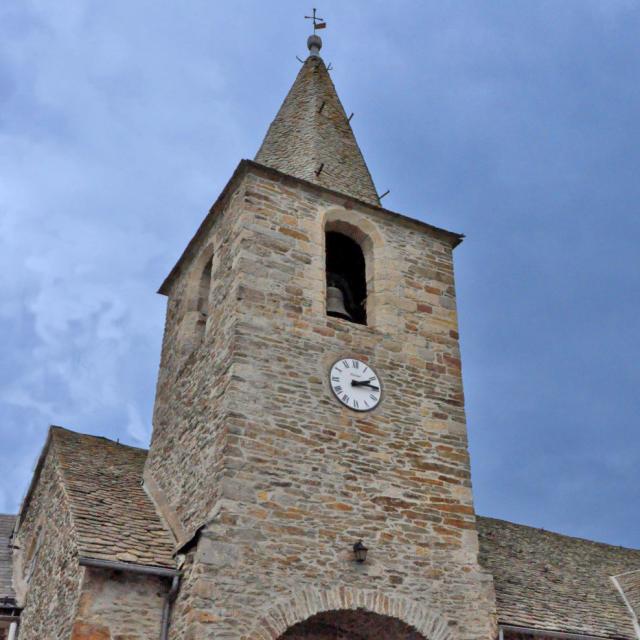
318	23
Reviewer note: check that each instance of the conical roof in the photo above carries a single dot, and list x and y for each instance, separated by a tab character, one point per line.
311	137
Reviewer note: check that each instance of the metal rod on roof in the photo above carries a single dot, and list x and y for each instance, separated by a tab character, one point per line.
626	573
386	193
623	595
351	116
321	107
320	168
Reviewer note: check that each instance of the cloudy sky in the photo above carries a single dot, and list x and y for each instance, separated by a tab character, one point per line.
514	122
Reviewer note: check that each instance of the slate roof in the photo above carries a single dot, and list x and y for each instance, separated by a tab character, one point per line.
113	517
311	137
549	581
7	596
630	585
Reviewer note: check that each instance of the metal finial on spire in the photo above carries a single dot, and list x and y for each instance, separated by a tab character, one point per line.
314	42
318	23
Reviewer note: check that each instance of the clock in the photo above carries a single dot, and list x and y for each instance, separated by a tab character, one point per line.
355	384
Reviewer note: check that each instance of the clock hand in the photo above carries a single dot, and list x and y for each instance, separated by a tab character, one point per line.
362	383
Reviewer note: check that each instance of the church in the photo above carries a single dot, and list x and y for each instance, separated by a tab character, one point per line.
308	475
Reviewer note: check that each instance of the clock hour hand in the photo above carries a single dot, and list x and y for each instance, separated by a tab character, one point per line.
364	383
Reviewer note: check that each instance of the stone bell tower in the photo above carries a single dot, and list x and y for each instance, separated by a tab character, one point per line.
310	396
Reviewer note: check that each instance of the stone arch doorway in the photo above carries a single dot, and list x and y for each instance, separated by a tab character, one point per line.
351	624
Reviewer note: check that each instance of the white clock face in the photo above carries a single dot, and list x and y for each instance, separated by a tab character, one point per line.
355	384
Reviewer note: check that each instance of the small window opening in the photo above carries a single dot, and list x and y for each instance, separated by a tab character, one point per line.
346	279
203	298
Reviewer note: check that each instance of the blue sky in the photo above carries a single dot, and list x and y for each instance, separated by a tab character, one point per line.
514	122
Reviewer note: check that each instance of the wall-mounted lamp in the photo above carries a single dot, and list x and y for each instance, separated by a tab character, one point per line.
360	551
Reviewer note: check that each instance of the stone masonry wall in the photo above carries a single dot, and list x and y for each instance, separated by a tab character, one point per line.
303	478
185	458
119	606
46	561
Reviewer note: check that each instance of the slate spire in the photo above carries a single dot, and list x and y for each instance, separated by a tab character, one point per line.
311	137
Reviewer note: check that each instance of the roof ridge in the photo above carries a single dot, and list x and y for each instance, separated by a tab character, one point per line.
558	534
56	428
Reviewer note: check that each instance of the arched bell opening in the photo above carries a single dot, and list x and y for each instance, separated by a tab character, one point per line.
351	624
346	278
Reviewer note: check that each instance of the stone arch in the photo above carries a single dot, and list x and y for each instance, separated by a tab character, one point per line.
362	230
194	301
308	603
345	270
351	624
194	278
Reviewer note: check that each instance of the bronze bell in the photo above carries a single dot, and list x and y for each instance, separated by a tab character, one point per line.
335	303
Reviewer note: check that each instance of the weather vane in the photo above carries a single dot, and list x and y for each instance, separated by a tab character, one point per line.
318	23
